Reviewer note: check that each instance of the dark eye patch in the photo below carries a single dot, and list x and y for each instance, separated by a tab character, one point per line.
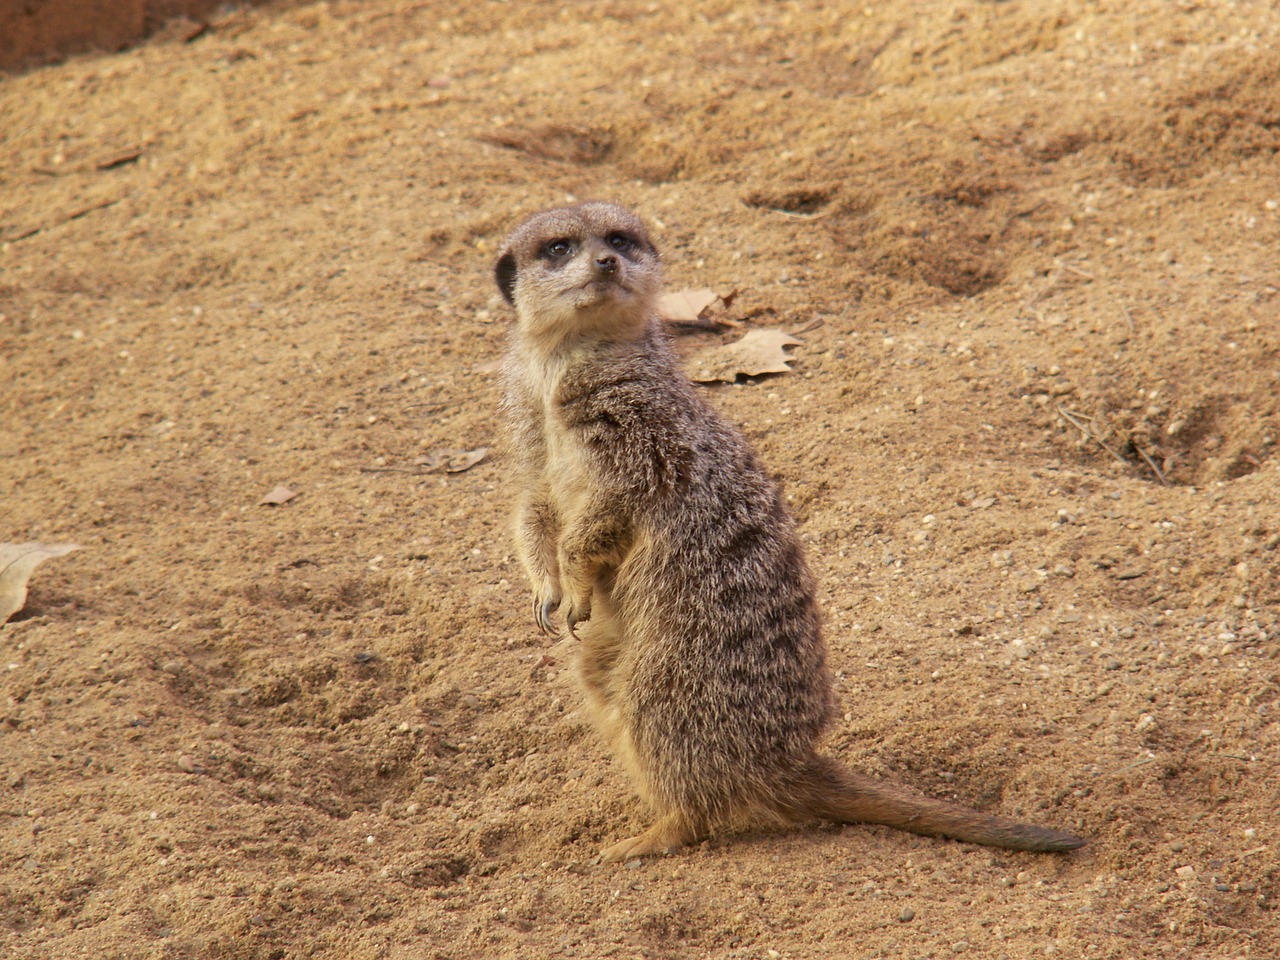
622	242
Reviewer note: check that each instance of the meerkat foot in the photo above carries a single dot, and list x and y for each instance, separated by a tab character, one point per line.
665	836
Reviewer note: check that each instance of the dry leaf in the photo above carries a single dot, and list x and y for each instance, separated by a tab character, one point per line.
277	495
686	306
697	308
456	461
17	560
760	351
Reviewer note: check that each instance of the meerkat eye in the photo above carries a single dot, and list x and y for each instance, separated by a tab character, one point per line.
620	242
558	248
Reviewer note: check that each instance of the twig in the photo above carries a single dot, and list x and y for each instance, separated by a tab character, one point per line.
868	56
1150	463
439	405
1088	434
1016	215
1030	304
791	214
445	461
67	219
1128	766
1077	271
120	159
1129	317
1036	297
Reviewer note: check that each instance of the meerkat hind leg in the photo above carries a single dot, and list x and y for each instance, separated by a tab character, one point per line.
669	833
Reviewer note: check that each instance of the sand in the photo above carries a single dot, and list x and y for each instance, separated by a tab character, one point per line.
1030	439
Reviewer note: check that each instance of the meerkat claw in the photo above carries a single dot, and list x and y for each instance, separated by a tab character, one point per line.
542	611
572	619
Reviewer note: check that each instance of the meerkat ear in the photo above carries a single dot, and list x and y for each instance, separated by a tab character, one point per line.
505	273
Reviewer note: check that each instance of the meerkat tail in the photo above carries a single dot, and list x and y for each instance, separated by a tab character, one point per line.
830	791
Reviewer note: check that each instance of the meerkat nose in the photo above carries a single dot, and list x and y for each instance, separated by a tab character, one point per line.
607	264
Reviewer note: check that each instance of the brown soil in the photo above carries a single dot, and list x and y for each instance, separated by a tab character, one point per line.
1032	448
41	31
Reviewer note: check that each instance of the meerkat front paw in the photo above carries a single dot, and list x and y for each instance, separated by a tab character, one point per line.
545	603
579	611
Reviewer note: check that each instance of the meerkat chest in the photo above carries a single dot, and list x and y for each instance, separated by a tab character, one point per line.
563	463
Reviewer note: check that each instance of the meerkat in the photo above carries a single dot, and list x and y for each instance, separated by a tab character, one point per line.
645	512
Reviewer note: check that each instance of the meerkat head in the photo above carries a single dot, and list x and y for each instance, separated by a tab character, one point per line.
589	269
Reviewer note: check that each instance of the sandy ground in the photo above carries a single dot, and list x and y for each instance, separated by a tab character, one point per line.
1031	446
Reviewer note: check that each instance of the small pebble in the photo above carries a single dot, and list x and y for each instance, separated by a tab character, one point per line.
907	915
187	763
1186	873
